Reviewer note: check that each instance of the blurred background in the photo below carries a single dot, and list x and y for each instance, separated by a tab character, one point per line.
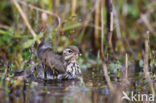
100	29
67	22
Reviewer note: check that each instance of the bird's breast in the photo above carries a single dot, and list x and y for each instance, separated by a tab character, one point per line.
73	68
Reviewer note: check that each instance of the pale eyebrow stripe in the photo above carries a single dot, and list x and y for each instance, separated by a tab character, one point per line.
67	50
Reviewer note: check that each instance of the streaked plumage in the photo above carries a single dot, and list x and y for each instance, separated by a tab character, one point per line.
64	65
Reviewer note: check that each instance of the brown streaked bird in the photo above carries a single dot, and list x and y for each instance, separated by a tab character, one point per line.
65	65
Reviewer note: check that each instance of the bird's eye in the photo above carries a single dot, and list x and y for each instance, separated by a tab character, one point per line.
70	51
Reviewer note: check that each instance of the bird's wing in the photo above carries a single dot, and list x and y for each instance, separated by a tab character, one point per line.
54	61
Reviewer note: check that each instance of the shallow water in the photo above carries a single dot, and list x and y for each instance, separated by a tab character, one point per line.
92	89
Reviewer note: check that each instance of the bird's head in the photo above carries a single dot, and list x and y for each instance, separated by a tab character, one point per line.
71	53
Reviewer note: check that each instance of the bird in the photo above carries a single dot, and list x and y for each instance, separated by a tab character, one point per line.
64	66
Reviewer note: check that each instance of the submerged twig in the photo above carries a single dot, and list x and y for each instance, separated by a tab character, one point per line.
145	68
107	77
126	67
104	64
125	81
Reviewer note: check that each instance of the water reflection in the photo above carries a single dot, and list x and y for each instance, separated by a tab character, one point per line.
72	91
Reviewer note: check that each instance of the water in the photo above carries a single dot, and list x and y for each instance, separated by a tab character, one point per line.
92	89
